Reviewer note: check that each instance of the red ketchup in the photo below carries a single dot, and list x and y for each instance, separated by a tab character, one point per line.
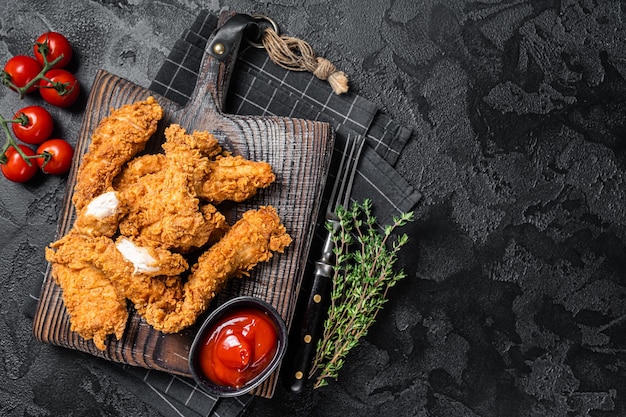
238	348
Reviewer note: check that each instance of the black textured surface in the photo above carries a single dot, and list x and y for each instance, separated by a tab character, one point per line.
515	304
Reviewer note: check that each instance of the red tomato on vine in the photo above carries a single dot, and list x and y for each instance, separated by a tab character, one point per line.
33	125
59	88
52	45
19	71
17	169
57	158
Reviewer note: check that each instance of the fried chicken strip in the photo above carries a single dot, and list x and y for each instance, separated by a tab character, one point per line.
97	275
202	141
95	306
223	177
234	178
101	216
160	195
116	139
251	240
148	277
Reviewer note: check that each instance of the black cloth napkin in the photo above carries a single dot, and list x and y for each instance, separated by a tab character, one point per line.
259	87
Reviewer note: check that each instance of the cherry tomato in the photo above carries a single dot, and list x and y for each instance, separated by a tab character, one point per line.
59	88
37	126
60	159
16	169
53	45
20	70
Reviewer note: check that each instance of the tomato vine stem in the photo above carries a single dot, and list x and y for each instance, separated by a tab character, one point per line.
21	91
10	142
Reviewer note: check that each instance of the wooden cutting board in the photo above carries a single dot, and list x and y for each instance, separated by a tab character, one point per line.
299	152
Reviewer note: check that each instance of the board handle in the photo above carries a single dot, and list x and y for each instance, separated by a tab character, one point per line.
219	59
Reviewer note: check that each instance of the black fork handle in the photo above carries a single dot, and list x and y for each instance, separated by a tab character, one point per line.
305	343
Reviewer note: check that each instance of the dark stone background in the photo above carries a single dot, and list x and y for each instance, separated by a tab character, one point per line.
515	301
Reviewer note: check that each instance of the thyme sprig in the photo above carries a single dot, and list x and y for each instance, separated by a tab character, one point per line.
363	274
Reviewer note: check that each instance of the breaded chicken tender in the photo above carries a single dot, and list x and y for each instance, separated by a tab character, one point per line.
95	306
251	240
141	220
148	277
223	177
93	270
235	178
101	216
116	139
204	142
159	192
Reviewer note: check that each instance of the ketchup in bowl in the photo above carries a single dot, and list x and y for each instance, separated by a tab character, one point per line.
238	346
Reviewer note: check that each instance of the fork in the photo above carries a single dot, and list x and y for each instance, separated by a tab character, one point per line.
304	343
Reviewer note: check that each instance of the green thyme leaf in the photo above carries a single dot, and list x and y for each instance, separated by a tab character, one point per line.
363	273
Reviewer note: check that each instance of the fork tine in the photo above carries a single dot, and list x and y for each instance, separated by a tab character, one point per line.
337	185
350	173
346	173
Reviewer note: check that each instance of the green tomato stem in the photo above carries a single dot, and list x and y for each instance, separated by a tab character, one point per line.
10	142
47	156
46	67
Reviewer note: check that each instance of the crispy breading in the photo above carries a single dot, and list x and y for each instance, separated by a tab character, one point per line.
158	207
101	216
159	192
94	304
234	178
116	139
154	285
95	307
148	277
222	177
251	240
178	138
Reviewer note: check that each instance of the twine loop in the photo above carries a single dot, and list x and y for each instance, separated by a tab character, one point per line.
296	55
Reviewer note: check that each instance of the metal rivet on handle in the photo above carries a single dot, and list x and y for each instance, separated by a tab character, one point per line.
219	48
